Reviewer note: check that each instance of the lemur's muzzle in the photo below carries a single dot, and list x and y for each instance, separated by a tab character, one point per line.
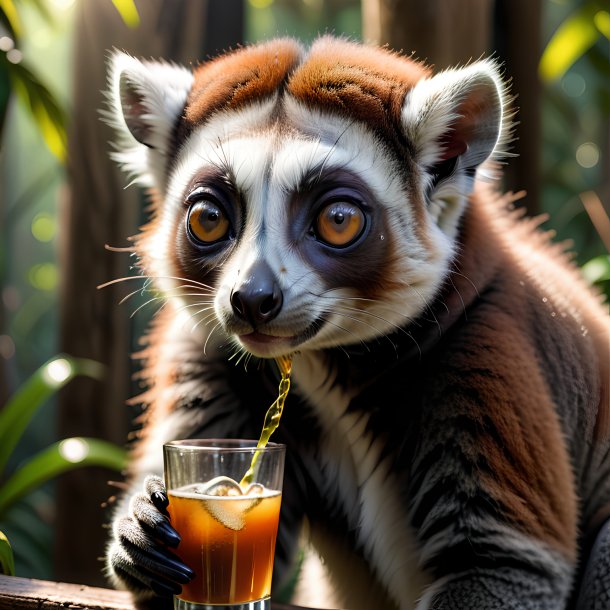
257	297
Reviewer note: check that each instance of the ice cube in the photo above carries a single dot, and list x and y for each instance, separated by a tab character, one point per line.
220	486
254	489
231	513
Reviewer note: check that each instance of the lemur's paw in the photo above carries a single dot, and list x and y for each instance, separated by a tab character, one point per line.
138	556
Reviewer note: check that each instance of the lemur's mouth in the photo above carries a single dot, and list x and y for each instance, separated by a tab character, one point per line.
268	345
263	338
264	345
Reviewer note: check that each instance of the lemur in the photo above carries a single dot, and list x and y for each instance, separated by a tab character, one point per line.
448	434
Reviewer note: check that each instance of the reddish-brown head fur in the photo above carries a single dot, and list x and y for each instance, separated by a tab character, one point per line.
364	83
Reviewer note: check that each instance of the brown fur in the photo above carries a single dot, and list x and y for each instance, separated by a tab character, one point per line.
361	83
240	78
531	472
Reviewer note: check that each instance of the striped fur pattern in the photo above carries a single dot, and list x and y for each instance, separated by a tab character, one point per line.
449	428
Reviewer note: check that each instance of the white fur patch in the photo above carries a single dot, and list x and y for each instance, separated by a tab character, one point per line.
164	88
350	456
472	100
432	106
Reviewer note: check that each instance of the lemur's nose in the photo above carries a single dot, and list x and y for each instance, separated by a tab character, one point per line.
257	298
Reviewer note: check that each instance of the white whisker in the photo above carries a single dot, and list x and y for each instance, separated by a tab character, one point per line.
345	330
207	304
384	335
135	311
453	272
126	298
128	278
203	320
203	310
377	317
205	345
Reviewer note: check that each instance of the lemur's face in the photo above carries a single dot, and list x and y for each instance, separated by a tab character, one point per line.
305	200
289	221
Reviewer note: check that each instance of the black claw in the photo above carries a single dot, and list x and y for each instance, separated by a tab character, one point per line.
165	589
160	500
167	534
174	569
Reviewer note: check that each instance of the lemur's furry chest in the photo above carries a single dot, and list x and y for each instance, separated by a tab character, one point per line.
364	487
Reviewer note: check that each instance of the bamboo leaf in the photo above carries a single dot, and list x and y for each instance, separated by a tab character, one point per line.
602	22
21	407
10	16
574	37
597	269
41	104
7	561
43	10
59	458
5	94
128	11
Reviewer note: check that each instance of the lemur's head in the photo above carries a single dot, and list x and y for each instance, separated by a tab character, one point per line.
317	193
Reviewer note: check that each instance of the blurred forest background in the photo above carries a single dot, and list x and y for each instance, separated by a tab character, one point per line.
61	202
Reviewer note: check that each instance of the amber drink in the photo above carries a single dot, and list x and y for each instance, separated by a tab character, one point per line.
228	525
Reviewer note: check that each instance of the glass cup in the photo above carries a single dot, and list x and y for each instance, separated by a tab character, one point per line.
228	529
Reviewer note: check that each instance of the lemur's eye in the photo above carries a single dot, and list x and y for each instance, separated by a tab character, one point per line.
340	223
207	222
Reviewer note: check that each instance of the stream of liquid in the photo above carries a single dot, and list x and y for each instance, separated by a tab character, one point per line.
273	415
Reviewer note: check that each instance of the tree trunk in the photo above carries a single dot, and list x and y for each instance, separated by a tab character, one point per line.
5	390
519	45
441	32
446	33
99	211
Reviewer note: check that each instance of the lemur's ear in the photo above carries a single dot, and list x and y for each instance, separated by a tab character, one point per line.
455	121
146	98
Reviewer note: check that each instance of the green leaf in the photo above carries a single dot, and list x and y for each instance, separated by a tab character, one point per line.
602	22
128	11
7	561
10	16
574	37
42	105
60	457
597	269
5	96
21	407
28	526
10	19
43	10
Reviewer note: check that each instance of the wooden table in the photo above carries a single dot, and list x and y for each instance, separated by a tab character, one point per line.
26	594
